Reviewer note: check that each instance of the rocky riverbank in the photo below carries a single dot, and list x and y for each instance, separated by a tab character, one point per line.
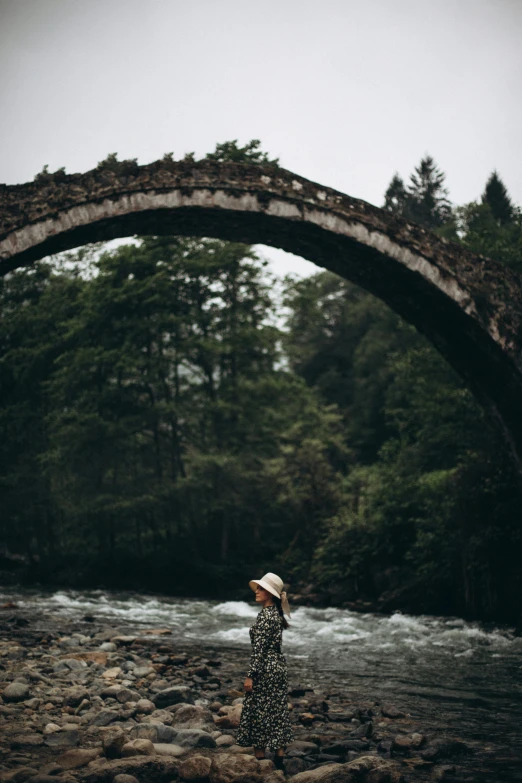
87	703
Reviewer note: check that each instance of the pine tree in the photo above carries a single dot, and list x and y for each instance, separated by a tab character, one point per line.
496	197
396	197
427	202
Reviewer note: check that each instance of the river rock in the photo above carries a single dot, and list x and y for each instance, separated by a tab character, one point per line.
169	749
67	738
402	743
224	741
195	768
125	694
138	747
108	647
443	748
125	779
142	671
145	706
277	776
104	718
343	746
155	732
112	743
74	759
112	674
194	738
389	711
173	695
73	664
26	741
144	768
341	717
229	717
16	691
228	767
74	696
192	716
371	769
51	728
19	775
300	748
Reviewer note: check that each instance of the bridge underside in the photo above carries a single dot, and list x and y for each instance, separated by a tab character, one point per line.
469	308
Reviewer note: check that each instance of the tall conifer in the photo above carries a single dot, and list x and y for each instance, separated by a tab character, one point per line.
496	197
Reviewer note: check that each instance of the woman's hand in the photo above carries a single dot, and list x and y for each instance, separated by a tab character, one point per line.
248	685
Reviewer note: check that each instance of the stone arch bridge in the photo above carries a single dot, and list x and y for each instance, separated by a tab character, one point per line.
469	307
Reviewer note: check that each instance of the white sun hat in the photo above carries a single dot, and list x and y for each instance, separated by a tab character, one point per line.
274	585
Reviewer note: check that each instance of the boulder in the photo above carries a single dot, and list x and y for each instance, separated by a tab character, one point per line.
173	695
195	768
125	779
16	691
228	767
138	747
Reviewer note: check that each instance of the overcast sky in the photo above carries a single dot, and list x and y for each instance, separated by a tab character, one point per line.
344	92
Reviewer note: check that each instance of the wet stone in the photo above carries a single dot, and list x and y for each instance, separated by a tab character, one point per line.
16	691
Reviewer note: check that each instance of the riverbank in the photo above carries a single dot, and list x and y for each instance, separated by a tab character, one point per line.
88	701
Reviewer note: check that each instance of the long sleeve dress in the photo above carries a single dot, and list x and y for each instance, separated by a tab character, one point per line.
265	721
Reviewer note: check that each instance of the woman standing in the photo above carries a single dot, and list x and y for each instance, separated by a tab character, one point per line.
265	721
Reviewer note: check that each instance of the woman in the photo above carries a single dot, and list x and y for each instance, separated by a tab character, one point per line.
265	721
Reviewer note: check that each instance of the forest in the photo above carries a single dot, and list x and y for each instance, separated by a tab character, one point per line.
173	417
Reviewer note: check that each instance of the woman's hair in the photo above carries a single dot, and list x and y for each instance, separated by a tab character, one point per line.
277	602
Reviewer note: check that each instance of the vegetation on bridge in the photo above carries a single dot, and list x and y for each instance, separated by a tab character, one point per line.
168	423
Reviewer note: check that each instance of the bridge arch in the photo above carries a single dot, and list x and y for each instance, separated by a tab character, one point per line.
469	307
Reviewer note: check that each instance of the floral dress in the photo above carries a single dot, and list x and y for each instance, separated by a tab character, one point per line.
265	721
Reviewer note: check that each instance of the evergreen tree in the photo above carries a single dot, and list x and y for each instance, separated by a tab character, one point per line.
424	200
396	196
427	202
496	197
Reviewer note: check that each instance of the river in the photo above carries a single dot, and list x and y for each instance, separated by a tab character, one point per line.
445	672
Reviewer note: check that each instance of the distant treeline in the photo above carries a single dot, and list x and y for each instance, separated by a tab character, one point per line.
167	422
